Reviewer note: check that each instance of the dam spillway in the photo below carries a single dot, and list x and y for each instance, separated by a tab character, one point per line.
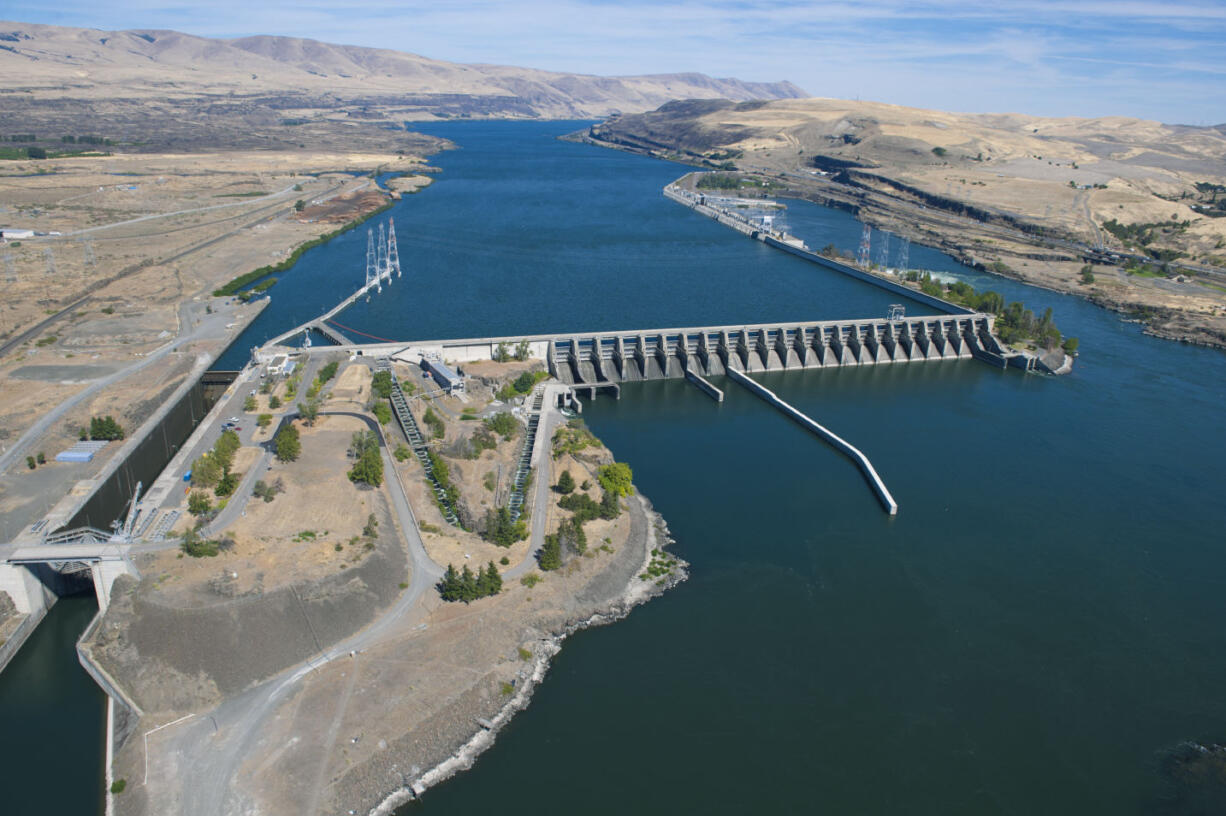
616	357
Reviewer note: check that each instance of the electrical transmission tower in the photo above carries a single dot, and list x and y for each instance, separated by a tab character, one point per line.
883	251
904	257
393	254
372	271
381	255
866	238
50	257
10	269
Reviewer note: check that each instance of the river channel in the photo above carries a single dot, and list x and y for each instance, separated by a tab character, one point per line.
1039	630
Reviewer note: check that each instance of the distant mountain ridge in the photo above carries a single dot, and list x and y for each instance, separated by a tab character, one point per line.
62	62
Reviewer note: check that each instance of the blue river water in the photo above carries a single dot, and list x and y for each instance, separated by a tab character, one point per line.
1039	630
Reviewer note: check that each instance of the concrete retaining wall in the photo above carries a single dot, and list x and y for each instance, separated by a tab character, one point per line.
852	452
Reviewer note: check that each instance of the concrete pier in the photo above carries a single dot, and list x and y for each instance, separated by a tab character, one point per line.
704	386
851	451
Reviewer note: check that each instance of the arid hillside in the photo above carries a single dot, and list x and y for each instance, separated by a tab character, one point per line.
1035	197
305	79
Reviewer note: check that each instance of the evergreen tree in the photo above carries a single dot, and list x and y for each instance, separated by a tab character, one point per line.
550	556
610	507
566	483
468	585
450	587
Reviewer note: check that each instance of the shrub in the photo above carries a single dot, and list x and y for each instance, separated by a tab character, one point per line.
524	654
502	424
118	785
437	427
402	452
30	463
530	580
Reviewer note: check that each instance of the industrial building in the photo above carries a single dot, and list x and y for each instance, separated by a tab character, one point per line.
448	380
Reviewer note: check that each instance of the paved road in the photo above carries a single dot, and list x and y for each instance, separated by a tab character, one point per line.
196	763
244	202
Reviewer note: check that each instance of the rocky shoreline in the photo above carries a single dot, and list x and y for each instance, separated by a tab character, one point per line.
636	592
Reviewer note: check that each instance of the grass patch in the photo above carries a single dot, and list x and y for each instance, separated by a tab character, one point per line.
524	654
530	580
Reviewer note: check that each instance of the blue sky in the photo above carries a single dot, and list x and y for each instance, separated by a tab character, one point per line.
1155	60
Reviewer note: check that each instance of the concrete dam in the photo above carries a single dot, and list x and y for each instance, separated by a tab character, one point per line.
595	359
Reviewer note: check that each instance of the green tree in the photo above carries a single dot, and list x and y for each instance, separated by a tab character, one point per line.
228	484
105	428
30	463
501	353
1070	345
522	350
566	483
309	411
610	506
299	205
42	458
468	585
249	404
550	556
381	384
327	372
288	444
368	469
274	402
581	505
450	587
616	478
263	420
503	424
524	382
206	471
571	535
489	582
383	412
500	530
198	503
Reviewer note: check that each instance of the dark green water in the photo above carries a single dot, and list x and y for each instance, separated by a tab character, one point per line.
1038	629
52	720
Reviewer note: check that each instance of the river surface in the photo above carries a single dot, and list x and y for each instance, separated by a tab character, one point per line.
1039	630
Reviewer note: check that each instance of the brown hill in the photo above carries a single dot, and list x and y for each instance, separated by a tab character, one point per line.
58	62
